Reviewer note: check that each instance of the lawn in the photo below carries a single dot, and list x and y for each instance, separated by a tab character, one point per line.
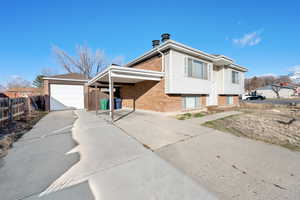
279	126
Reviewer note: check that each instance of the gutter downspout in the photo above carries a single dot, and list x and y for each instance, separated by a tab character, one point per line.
162	60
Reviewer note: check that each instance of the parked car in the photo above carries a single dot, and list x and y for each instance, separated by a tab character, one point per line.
252	97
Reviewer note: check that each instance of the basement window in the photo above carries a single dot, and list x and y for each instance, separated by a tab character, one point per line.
190	102
229	100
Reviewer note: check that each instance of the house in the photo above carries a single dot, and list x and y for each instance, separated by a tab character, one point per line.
284	91
23	92
173	77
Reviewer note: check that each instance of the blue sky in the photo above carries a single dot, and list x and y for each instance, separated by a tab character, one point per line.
260	35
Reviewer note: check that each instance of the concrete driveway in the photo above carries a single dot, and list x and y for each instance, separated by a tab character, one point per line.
116	166
89	159
230	166
39	158
143	156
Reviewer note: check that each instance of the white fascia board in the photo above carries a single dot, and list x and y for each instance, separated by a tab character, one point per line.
98	76
127	69
140	77
238	67
183	48
65	79
127	72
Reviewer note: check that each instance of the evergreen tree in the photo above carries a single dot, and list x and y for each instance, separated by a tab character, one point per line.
38	82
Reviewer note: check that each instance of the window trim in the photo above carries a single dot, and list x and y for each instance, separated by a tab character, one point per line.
229	100
238	77
199	60
197	105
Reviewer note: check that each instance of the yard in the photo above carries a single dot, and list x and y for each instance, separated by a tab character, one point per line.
276	125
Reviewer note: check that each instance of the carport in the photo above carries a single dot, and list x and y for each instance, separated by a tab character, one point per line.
118	76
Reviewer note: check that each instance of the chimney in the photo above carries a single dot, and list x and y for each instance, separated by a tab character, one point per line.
165	37
155	43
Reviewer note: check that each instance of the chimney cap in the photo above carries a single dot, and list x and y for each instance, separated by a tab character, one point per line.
155	43
165	37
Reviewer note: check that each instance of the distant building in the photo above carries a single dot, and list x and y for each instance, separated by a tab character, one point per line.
284	92
23	92
295	77
2	95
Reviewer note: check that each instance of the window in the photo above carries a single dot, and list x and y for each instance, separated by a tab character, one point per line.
190	102
235	77
229	100
197	69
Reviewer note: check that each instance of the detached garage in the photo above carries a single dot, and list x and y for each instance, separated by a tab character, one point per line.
66	91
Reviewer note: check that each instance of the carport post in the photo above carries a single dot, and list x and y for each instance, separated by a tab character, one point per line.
97	99
111	97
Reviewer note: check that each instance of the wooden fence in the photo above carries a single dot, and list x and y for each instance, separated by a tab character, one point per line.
13	108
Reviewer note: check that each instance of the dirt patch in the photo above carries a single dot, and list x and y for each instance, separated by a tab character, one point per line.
279	126
16	129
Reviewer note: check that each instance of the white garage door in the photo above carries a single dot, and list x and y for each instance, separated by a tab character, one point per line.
64	97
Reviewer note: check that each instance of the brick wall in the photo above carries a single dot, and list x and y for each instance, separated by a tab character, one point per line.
150	95
153	63
222	100
46	87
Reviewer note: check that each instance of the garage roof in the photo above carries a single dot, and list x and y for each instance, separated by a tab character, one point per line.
68	77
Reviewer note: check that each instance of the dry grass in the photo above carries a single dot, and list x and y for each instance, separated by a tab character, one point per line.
276	126
190	115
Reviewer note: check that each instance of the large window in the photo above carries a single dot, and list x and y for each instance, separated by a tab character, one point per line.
235	77
197	69
190	102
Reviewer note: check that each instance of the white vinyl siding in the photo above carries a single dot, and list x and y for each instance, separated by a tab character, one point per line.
190	102
197	69
235	77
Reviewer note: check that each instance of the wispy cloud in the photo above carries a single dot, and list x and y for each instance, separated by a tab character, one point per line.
294	69
249	39
15	76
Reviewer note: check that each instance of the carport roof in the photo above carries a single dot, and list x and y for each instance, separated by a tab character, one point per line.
125	75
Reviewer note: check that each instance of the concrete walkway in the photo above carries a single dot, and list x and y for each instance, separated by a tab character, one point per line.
116	167
39	158
202	120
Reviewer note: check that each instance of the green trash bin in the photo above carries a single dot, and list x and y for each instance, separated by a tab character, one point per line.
103	104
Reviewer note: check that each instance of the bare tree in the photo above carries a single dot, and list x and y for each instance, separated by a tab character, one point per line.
47	71
284	79
18	82
261	81
276	89
2	88
87	62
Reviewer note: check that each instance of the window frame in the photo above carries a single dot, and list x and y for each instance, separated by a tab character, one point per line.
190	75
229	100
237	78
197	102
